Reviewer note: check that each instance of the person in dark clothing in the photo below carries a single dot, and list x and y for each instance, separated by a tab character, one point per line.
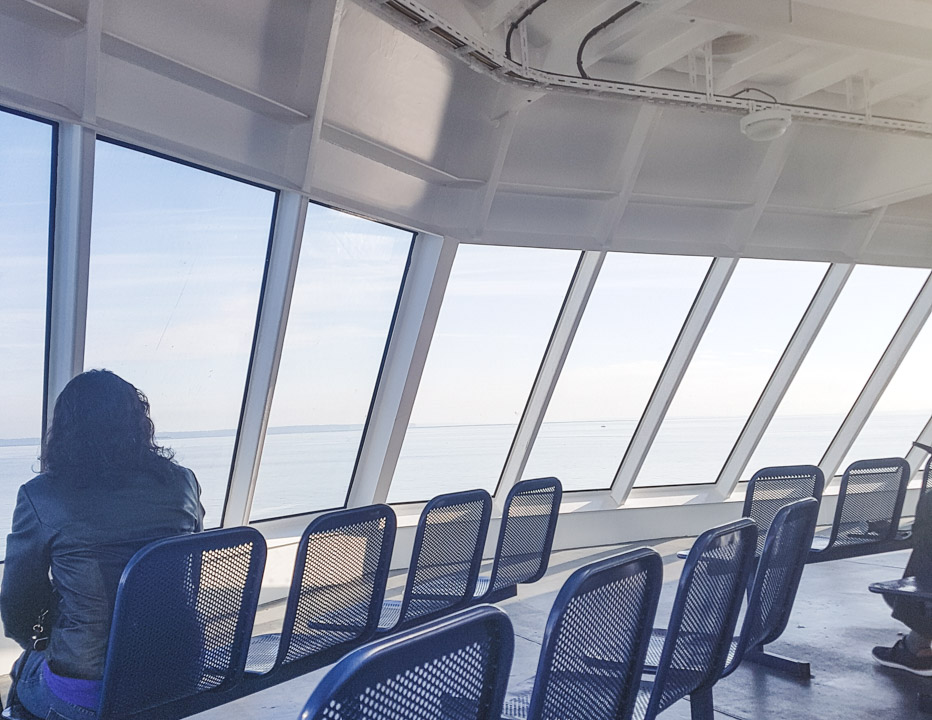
106	490
913	652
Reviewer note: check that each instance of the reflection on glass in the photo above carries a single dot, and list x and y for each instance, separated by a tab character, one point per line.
755	318
635	311
348	279
854	336
903	409
497	316
25	176
177	257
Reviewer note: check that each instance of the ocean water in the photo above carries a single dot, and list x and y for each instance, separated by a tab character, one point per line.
310	470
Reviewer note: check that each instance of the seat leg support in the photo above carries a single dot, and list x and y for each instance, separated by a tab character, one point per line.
700	705
795	668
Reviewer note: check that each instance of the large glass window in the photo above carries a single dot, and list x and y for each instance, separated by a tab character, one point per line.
754	320
903	409
497	316
854	336
635	311
177	259
347	284
25	189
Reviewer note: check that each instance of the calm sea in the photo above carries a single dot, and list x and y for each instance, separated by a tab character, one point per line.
309	470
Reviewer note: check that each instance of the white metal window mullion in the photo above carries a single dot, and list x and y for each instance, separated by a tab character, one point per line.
690	335
71	248
916	457
418	309
290	213
873	390
574	305
791	360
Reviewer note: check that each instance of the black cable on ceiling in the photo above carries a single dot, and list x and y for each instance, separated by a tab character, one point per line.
514	26
595	31
755	89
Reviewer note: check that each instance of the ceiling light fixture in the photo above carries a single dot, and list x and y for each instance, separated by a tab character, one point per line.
767	124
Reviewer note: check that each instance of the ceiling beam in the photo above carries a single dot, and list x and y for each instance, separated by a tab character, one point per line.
765	181
192	77
761	58
660	57
629	165
907	12
498	11
501	139
901	84
322	27
825	76
819	26
614	36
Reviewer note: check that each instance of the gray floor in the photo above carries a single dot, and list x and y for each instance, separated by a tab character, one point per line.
834	625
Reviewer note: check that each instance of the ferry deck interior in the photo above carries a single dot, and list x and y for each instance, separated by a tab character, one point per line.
371	251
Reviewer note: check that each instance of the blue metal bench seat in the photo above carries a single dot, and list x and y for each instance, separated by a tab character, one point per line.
529	520
867	516
702	623
454	667
181	624
336	594
445	562
604	610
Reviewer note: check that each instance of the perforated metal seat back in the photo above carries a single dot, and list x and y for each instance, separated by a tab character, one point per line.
777	578
447	554
705	611
182	619
339	581
870	501
526	538
454	668
774	487
597	634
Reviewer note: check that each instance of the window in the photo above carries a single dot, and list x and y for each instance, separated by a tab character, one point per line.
177	259
633	316
25	190
903	409
755	318
854	336
347	284
497	316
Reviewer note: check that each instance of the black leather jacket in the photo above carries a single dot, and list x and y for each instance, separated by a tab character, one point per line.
69	544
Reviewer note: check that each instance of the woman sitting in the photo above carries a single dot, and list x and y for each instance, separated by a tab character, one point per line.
913	653
106	490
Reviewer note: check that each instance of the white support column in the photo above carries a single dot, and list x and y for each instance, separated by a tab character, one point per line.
71	248
786	369
290	213
577	297
690	335
412	331
878	381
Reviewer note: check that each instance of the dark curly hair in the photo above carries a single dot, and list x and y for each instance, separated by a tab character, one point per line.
101	428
